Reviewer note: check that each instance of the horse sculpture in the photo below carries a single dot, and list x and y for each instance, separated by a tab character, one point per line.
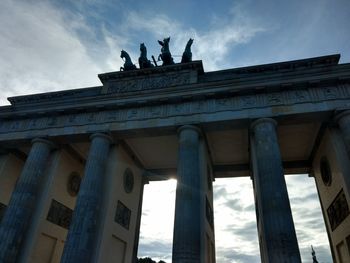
128	65
187	55
143	60
165	55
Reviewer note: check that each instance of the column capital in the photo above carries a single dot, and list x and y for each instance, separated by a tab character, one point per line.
341	115
263	120
189	127
102	135
47	142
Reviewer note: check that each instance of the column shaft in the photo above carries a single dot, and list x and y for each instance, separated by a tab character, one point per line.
23	200
188	226
80	244
278	233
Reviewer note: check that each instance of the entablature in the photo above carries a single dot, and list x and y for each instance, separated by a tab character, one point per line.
181	82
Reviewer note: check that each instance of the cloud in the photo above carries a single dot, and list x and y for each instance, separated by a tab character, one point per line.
40	51
307	215
46	47
155	249
226	255
211	45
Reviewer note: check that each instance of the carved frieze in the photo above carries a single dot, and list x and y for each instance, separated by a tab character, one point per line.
166	110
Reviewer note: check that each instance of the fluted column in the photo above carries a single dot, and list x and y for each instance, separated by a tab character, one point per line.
343	120
187	226
279	241
23	200
80	244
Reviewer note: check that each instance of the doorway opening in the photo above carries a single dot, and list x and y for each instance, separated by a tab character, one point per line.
308	219
236	237
157	221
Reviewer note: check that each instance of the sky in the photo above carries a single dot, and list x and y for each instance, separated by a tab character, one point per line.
236	235
50	45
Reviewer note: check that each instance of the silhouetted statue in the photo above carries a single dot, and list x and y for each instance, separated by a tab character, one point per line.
165	55
314	260
128	65
187	55
143	60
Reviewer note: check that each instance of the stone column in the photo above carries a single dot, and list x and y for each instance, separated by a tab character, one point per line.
188	225
80	244
23	201
343	120
279	242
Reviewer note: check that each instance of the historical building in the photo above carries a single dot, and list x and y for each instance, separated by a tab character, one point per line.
73	163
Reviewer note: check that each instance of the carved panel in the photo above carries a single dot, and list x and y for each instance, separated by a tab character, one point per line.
122	215
338	210
209	213
2	210
60	214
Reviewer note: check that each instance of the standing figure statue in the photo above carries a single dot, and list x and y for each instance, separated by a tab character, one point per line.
187	55
143	60
165	55
314	260
128	65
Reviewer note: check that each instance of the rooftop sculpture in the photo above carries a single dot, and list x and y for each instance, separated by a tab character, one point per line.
165	56
187	55
128	65
143	60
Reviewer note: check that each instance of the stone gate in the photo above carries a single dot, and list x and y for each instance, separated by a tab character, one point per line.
73	163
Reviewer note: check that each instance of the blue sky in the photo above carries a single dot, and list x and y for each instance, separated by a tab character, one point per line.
49	45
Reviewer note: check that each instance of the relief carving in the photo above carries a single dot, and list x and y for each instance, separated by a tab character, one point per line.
128	180
60	214
122	215
248	101
222	104
209	213
149	83
330	93
132	114
155	111
52	121
274	98
300	95
338	210
73	184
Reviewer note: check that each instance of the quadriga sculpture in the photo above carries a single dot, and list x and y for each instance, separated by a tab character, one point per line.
143	60
128	65
165	55
187	55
